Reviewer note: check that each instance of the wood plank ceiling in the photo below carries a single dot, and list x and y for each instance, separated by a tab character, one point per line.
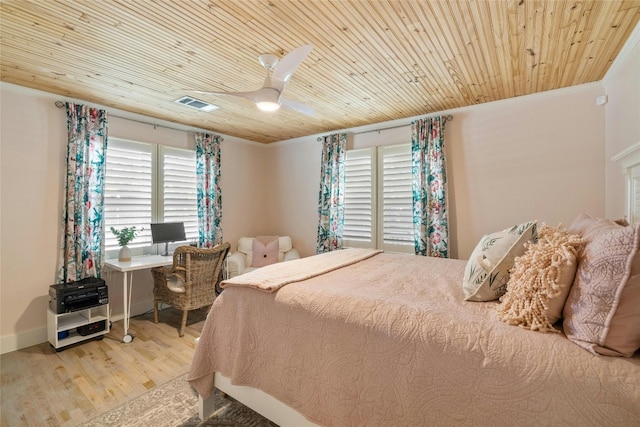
372	61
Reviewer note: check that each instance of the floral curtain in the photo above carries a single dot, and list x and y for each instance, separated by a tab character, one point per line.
430	217
82	245
331	198
208	187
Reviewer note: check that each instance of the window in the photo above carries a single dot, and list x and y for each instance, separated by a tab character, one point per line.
378	198
148	183
178	191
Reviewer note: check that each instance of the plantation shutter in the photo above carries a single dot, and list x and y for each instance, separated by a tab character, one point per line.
359	218
178	189
395	209
128	191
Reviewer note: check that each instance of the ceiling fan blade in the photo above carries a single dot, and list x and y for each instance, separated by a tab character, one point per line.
297	106
251	96
287	65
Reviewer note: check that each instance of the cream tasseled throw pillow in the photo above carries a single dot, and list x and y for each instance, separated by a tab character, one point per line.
541	279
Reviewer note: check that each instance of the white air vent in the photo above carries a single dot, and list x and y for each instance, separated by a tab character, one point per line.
196	103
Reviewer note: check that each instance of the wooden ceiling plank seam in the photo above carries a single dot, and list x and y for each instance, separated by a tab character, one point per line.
628	19
91	50
377	45
466	53
350	52
549	58
432	59
475	55
501	44
604	29
591	47
372	93
533	42
412	91
452	91
584	28
516	47
413	54
574	49
494	78
150	65
546	37
86	65
431	62
171	39
460	75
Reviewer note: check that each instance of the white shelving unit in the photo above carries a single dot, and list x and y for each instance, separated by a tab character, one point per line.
69	322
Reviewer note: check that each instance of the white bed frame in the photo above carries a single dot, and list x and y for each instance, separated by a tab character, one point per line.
261	402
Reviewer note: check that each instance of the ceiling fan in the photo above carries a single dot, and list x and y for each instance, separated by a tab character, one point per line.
268	98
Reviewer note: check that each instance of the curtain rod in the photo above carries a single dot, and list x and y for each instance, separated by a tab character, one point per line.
61	104
447	118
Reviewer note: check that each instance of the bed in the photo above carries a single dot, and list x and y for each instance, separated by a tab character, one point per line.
360	337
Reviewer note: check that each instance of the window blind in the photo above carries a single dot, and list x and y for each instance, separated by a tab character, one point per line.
128	191
179	192
147	183
378	198
359	198
396	204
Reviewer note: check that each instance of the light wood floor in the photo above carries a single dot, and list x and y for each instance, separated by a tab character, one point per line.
42	387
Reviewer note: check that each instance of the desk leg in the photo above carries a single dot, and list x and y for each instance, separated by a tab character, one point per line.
126	297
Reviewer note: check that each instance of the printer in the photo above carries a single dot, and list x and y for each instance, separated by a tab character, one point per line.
78	295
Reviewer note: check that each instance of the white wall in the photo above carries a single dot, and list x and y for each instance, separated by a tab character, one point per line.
33	147
534	157
293	193
622	84
32	140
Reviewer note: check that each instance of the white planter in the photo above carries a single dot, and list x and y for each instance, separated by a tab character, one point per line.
124	254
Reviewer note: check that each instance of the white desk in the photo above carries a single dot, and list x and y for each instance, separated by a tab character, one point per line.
136	263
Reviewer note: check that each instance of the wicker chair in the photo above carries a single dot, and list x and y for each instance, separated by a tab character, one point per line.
192	280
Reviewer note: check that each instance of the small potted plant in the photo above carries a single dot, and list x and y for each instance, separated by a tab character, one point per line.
124	236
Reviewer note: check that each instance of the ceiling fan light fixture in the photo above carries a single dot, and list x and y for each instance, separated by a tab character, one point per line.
268	105
268	99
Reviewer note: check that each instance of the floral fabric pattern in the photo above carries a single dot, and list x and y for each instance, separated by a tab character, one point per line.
208	188
331	197
82	245
430	214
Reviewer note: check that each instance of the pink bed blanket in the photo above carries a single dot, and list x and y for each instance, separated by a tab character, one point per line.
389	340
274	276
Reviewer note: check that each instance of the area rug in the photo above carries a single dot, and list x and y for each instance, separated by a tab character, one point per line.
175	404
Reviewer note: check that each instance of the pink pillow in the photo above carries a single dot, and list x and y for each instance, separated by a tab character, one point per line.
265	251
602	311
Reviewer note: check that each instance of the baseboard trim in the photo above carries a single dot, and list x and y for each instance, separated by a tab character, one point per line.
37	336
22	340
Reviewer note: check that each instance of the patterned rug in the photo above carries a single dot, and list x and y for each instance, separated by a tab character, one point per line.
176	404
